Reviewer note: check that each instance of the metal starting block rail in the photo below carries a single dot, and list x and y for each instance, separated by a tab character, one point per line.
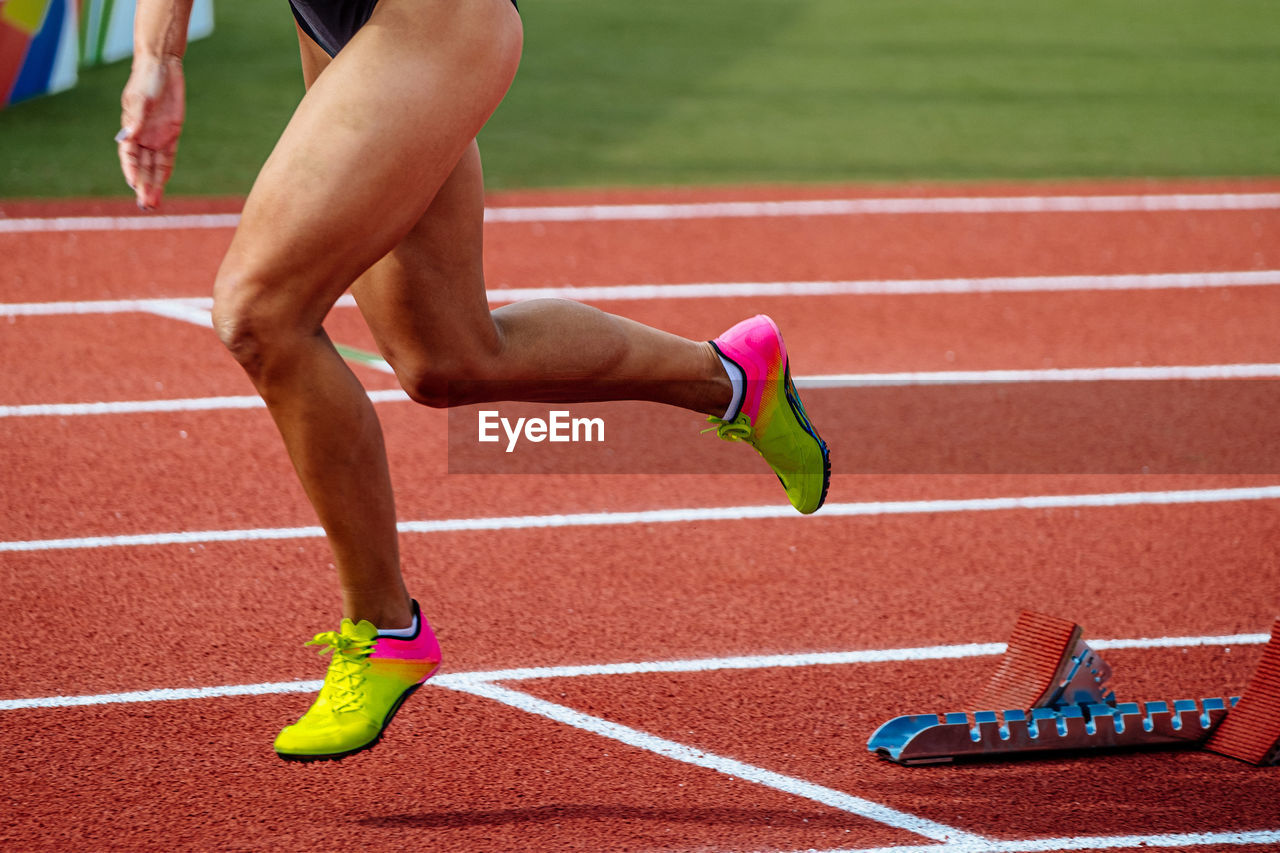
1062	701
941	738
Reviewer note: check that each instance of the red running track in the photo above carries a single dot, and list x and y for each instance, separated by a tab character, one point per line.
464	770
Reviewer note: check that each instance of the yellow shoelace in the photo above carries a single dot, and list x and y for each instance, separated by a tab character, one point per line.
346	669
738	429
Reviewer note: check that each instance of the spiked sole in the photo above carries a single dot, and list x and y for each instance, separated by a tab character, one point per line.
797	409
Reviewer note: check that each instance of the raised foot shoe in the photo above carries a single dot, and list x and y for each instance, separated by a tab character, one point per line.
770	416
369	677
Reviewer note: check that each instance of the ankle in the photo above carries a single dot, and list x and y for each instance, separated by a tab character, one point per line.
385	615
727	389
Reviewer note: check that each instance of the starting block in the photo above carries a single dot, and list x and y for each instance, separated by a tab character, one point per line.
1251	731
942	738
1047	663
1053	693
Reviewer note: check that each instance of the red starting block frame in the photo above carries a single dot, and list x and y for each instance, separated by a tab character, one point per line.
1251	732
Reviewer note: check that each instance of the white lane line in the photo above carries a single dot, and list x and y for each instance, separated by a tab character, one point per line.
728	290
673	516
890	206
1209	372
55	224
163	694
1180	642
189	311
895	287
1058	374
482	684
803	659
779	661
198	312
1180	841
101	306
1155	202
131	407
458	680
719	763
192	404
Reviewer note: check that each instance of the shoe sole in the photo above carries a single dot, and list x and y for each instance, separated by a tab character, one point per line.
337	756
802	417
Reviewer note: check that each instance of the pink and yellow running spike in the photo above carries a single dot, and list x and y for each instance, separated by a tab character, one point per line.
369	677
771	417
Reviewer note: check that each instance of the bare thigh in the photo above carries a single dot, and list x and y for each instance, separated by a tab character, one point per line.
425	300
374	141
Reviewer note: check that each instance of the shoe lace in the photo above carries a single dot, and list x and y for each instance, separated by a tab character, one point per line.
346	668
738	429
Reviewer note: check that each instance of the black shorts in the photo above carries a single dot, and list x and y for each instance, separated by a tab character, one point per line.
332	23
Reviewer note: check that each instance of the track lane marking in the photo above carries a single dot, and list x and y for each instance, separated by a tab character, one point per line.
186	310
196	311
1207	372
896	287
1184	840
669	516
966	842
458	680
805	659
1132	203
162	307
80	224
483	684
721	764
1124	203
1146	373
189	404
730	290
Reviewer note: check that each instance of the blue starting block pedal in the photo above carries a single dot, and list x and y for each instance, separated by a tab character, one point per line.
942	738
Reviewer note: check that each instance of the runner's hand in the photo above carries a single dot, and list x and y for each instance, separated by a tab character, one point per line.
153	107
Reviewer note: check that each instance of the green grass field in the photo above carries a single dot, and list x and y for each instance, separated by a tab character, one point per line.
731	91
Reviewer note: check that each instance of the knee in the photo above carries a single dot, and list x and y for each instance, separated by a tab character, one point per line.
233	316
247	322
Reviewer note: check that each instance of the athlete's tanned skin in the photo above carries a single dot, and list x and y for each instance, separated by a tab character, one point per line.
375	187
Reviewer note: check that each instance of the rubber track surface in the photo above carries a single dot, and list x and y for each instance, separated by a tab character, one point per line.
469	773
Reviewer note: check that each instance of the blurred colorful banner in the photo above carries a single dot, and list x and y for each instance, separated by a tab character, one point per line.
44	42
38	48
106	28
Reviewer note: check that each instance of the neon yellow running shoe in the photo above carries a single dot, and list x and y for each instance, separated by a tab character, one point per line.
369	677
770	416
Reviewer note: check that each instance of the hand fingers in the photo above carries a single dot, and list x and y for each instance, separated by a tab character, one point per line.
147	141
146	176
164	168
128	151
150	170
138	165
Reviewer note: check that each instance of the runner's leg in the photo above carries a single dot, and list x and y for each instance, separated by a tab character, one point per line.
372	141
426	305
